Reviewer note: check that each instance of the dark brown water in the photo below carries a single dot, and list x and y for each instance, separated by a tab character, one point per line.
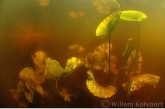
27	27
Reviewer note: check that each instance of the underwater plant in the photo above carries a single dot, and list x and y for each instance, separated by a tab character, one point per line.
127	75
98	90
105	6
109	23
45	68
106	26
132	15
131	65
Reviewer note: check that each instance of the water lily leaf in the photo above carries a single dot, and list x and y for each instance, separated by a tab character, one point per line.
132	15
100	58
108	24
28	74
98	90
39	60
53	69
137	82
72	63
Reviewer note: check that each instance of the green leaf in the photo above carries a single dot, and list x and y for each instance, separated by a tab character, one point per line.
128	55
128	45
132	15
127	51
71	64
53	69
108	24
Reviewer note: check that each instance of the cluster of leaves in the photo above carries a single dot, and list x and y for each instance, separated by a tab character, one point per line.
45	68
131	65
101	59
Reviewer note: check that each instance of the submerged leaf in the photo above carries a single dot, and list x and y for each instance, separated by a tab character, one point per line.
28	74
111	3
128	45
136	68
137	82
39	61
98	90
132	15
28	92
43	2
72	63
64	93
105	6
108	24
53	69
99	60
127	52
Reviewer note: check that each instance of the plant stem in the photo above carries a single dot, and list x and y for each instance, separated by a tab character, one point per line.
108	74
137	51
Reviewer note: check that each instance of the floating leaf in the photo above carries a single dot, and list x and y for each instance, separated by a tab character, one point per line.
132	15
108	24
137	82
96	89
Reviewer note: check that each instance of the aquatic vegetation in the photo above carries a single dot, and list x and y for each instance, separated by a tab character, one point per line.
29	83
76	47
46	68
53	69
137	82
128	50
127	46
105	6
39	61
33	80
98	60
43	2
64	93
71	64
127	74
108	24
131	64
76	15
98	90
132	15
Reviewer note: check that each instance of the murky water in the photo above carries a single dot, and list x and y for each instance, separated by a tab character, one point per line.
67	28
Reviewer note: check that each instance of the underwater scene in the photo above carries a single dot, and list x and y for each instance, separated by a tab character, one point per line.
82	53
